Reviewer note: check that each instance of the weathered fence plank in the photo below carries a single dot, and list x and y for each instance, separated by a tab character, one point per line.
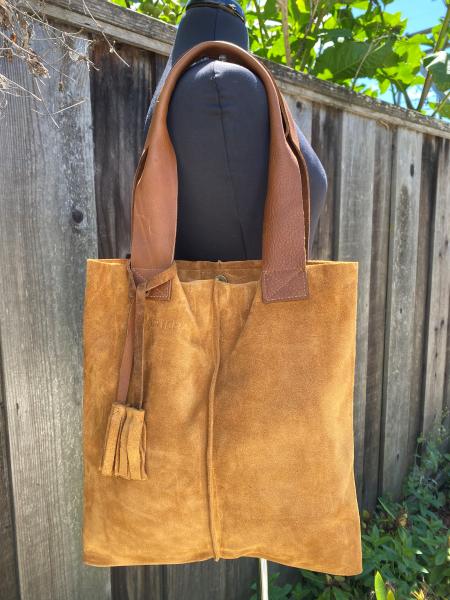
446	405
376	316
9	584
120	95
302	114
112	20
138	583
46	232
439	297
325	137
352	238
428	177
400	307
209	580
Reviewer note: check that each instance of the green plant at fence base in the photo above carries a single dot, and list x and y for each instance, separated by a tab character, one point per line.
356	43
382	591
406	544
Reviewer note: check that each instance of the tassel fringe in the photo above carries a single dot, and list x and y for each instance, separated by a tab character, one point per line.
125	443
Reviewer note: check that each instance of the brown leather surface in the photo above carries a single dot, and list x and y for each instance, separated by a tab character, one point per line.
154	215
292	137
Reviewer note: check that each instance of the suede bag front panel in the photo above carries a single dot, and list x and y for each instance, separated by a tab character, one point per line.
248	416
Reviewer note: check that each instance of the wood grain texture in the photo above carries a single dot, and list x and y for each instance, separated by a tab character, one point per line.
138	583
302	114
206	580
158	65
46	174
352	242
428	178
446	405
438	303
9	582
332	95
106	18
212	580
325	139
404	223
376	316
120	97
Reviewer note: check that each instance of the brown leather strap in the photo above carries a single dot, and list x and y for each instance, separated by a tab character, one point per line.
292	138
294	142
154	214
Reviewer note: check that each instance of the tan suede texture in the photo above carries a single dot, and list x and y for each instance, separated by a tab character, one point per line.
248	415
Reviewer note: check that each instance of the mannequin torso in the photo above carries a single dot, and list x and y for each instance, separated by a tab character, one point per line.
219	126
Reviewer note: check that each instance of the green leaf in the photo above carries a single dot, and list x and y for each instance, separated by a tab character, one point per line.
439	67
332	35
395	20
411	49
390	595
443	111
348	59
277	48
270	10
386	508
339	594
441	557
380	588
384	85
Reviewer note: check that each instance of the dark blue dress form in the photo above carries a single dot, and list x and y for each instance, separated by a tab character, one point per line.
219	125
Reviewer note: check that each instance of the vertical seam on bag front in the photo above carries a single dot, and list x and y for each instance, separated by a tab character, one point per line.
210	439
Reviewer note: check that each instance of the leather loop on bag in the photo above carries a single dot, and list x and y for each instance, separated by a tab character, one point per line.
125	438
154	212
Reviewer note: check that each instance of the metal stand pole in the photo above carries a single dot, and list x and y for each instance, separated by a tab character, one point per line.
263	579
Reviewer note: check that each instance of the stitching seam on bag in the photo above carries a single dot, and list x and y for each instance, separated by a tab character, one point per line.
157	293
209	455
275	296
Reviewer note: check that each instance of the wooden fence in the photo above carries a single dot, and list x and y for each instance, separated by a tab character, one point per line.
64	196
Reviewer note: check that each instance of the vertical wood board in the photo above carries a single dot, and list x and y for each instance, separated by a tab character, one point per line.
376	315
404	224
428	178
326	131
438	305
47	231
301	113
352	241
120	92
9	583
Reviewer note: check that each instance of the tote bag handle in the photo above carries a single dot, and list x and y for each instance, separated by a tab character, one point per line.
155	191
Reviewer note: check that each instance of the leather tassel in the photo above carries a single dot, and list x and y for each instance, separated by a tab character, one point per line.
125	443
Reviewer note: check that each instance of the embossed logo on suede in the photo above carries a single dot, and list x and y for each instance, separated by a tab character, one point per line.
164	323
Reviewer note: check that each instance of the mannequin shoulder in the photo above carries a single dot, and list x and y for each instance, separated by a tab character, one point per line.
223	80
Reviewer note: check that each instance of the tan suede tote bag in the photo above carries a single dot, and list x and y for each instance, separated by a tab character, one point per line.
218	396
